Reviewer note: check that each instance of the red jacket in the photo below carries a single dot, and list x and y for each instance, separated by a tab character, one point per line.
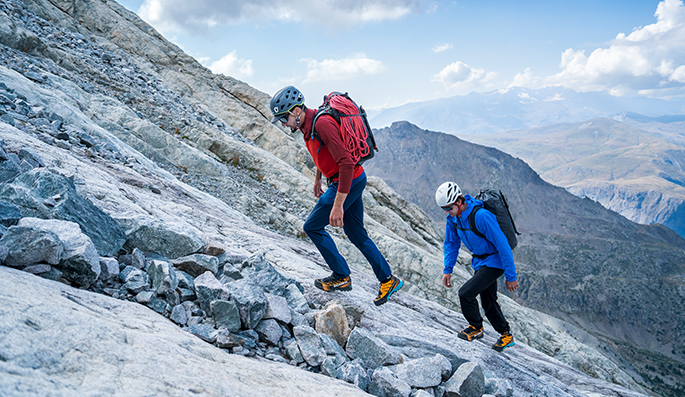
331	158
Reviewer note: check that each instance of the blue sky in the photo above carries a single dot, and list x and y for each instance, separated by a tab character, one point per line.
389	52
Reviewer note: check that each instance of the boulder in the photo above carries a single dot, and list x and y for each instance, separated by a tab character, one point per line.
262	273
467	381
277	308
332	321
208	289
423	372
310	345
109	268
384	384
226	314
269	331
162	277
30	190
354	372
79	262
27	246
373	351
250	300
171	239
196	264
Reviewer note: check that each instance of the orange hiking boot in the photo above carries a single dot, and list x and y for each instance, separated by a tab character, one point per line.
332	283
387	289
470	333
504	341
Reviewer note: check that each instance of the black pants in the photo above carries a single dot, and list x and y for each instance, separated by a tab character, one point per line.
483	283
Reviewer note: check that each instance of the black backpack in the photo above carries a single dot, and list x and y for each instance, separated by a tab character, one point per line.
358	116
495	202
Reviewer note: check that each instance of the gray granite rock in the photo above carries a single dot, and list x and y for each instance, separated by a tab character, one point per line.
208	289
162	277
310	345
171	239
226	314
373	351
269	331
27	246
354	372
423	372
250	300
30	189
277	308
79	261
467	381
9	214
384	384
109	268
197	264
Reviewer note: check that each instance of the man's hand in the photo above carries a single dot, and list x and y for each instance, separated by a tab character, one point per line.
447	280
336	218
512	285
317	188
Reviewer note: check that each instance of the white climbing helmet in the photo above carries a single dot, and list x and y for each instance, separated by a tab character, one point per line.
447	194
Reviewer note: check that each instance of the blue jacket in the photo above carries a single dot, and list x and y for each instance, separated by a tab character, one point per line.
496	241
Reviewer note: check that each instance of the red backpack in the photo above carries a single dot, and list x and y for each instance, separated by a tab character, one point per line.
355	130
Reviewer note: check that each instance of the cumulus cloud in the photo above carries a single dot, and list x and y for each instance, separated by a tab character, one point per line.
200	15
442	47
231	65
462	78
337	69
651	59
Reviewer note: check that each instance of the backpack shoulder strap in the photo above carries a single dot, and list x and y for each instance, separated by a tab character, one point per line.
322	111
472	222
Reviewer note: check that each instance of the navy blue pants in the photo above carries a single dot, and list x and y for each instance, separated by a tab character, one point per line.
483	283
353	226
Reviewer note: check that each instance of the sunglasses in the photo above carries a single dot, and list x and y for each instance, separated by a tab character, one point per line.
448	208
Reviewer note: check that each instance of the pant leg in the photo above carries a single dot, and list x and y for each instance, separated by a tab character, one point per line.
315	225
493	312
481	281
353	221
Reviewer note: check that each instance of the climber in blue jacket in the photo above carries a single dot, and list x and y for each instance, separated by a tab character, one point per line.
492	257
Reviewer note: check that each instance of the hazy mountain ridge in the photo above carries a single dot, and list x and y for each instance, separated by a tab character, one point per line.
519	108
634	168
576	260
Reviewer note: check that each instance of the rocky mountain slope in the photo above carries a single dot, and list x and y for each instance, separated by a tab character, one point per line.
576	260
631	165
177	161
520	108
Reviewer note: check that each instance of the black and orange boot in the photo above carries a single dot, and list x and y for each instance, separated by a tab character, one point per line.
470	333
332	283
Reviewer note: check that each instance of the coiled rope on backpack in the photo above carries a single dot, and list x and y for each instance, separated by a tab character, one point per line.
353	133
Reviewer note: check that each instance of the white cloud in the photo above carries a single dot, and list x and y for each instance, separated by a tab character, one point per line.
442	47
231	65
337	69
462	78
649	59
199	15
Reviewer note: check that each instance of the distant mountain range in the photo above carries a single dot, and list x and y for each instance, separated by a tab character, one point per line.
632	164
521	108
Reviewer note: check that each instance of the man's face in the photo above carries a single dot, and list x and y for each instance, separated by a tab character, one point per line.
453	211
290	122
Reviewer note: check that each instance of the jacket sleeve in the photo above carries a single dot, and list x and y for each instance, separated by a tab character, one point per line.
486	222
451	246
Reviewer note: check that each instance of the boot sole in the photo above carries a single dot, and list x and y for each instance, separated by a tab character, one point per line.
465	337
320	286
